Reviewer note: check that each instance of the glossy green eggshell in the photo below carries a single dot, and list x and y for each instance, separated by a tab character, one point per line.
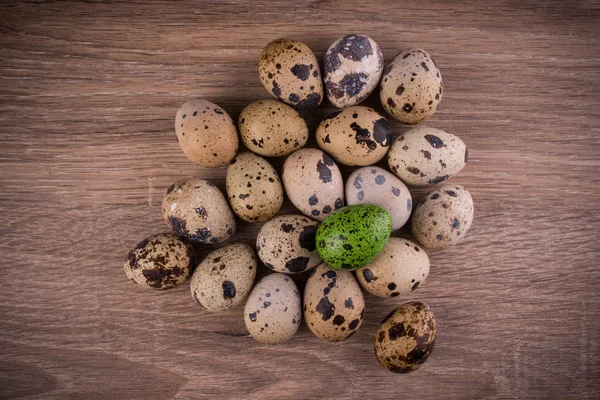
353	236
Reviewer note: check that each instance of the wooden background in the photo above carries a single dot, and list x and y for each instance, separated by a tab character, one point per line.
88	94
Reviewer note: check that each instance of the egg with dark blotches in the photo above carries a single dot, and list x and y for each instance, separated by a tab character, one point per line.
206	133
443	217
374	185
196	210
398	270
352	68
160	262
287	244
253	188
273	310
334	306
290	72
355	136
406	337
353	236
313	183
411	86
426	156
224	278
271	128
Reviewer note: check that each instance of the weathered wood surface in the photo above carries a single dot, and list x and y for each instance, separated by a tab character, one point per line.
88	94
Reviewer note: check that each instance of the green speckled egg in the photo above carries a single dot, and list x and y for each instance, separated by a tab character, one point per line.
353	236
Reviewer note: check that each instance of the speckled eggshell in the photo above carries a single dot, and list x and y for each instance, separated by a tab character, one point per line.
423	156
196	210
271	128
206	133
287	244
411	87
355	136
353	66
253	188
160	262
406	337
398	270
334	306
224	278
313	183
290	72
374	185
443	217
274	309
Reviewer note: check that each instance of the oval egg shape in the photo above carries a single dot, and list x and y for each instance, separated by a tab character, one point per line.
290	72
374	185
253	188
334	306
287	244
353	236
411	86
355	136
443	217
160	262
271	128
313	183
206	133
196	210
406	337
224	278
274	309
398	270
426	156
352	66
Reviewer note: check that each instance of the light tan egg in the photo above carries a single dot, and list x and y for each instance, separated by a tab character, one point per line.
253	188
160	262
334	306
374	185
224	278
290	72
206	133
313	183
411	86
425	156
196	210
355	136
271	128
287	244
443	217
398	270
274	309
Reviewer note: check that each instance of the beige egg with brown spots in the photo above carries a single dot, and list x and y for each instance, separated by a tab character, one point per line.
313	183
160	262
273	310
196	210
355	136
374	185
397	271
411	86
290	72
253	188
271	128
287	244
443	217
406	337
206	133
224	278
334	306
426	156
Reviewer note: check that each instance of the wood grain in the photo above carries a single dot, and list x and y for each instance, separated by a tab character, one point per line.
88	94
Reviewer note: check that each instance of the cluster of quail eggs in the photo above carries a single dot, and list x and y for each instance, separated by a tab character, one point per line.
341	235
